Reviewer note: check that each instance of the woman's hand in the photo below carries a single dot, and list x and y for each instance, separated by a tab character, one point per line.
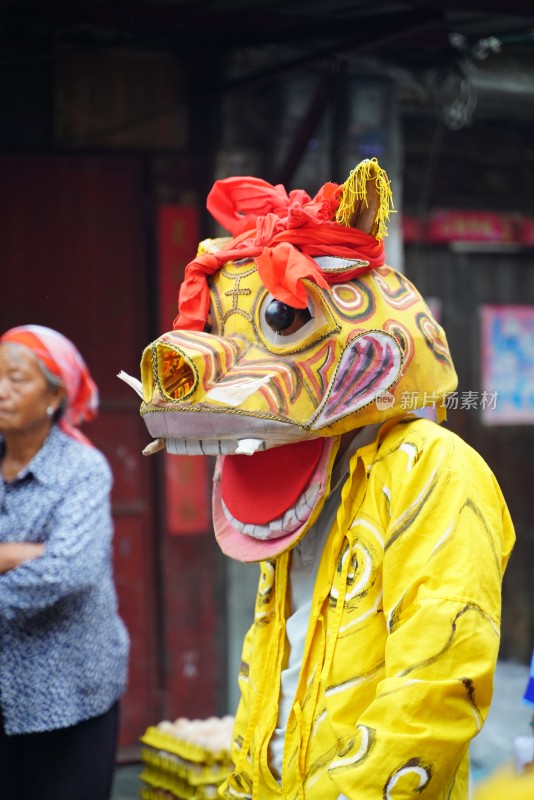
12	554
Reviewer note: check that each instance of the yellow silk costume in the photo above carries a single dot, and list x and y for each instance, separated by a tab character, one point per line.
291	334
403	634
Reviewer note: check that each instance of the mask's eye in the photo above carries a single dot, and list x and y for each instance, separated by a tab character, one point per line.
282	327
285	320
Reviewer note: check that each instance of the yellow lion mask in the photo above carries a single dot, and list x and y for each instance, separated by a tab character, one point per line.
290	333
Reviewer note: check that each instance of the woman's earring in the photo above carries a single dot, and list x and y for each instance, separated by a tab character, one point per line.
50	411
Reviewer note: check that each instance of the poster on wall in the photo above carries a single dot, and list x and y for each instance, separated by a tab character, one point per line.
507	369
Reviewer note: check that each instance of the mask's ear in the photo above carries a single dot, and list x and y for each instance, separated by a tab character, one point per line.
366	199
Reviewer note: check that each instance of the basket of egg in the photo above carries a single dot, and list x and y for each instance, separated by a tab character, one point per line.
187	758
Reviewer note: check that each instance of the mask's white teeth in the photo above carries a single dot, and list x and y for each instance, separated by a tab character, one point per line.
214	447
249	446
197	447
261	532
307	501
292	519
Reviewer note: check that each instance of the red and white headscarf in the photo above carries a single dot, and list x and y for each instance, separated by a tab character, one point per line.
63	360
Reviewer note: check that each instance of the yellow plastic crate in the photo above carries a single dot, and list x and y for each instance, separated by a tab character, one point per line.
195	773
178	788
189	751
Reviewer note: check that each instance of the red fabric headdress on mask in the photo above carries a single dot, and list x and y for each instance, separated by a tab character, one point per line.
281	233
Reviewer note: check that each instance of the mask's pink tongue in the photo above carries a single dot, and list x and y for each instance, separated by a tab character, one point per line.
261	488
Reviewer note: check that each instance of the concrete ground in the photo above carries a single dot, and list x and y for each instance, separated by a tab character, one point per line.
508	718
127	784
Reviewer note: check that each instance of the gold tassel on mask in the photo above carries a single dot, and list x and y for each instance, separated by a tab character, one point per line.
354	193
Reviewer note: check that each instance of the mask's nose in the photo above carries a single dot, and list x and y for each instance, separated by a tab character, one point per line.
168	371
179	363
178	377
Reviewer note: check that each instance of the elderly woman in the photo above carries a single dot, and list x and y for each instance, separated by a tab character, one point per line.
63	647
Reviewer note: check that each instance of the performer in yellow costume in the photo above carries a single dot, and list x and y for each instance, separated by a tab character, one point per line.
300	360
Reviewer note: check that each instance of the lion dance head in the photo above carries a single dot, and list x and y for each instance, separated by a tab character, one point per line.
290	333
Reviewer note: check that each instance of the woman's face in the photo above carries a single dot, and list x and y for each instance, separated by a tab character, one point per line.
25	394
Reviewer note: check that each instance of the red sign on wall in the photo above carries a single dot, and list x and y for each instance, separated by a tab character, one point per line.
470	226
526	231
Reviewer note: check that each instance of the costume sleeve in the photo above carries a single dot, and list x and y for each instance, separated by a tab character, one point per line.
448	536
77	551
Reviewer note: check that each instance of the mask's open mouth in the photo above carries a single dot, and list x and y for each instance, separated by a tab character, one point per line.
264	503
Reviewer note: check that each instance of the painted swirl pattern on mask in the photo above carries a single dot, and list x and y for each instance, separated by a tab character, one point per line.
434	338
354	301
395	288
404	338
